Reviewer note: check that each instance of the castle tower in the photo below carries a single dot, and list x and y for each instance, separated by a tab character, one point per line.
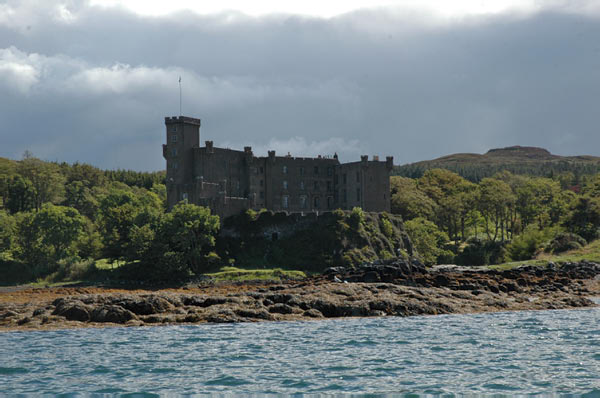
182	135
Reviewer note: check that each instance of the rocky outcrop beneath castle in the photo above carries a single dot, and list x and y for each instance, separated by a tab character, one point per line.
388	289
311	241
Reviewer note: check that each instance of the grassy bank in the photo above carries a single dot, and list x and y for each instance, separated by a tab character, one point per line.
590	252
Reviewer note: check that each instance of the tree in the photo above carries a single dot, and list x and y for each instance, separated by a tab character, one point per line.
48	236
122	209
20	194
584	220
46	180
183	241
495	202
7	233
428	240
408	201
453	196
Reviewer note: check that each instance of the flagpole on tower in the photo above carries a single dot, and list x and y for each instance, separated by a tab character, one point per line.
179	95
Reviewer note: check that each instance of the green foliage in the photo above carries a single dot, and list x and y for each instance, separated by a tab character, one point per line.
135	178
7	234
407	200
357	218
313	243
565	241
128	216
530	242
584	219
19	194
517	160
481	252
183	242
46	180
233	274
428	240
387	227
48	236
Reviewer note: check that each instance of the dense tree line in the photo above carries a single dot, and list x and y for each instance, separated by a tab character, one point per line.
475	172
58	217
504	217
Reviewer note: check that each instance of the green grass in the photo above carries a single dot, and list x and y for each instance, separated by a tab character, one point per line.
231	274
590	252
104	263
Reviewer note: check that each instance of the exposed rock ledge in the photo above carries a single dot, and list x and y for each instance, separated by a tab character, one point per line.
396	288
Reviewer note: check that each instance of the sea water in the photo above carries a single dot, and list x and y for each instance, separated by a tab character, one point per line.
511	353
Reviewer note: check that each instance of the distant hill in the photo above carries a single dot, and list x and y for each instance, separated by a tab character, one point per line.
516	159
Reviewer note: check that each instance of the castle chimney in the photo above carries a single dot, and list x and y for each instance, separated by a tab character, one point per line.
248	149
209	146
272	154
376	158
389	162
364	158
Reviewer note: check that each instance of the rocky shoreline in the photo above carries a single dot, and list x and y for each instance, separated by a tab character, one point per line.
395	288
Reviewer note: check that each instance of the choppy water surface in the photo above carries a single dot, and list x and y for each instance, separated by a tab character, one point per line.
549	352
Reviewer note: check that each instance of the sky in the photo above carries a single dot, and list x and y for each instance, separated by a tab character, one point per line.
92	80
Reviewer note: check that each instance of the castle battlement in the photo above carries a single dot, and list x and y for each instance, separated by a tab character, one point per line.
182	119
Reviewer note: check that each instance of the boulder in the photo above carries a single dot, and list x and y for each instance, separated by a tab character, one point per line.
72	310
112	314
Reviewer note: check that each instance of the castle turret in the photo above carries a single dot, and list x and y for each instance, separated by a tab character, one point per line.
182	134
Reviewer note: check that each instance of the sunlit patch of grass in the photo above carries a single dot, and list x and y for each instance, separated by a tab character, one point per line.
232	274
589	252
105	263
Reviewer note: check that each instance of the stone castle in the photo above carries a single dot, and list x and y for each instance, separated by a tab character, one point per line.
230	181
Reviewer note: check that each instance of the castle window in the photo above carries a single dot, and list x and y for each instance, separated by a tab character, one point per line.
285	201
262	183
174	138
174	128
285	169
316	202
316	185
285	184
344	196
302	185
261	195
329	171
184	196
358	176
344	178
174	152
328	186
316	170
262	170
358	194
175	165
301	171
329	202
303	202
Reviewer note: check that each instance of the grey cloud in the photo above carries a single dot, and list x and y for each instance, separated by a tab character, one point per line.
89	84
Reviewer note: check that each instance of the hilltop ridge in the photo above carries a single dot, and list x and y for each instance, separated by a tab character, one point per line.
516	159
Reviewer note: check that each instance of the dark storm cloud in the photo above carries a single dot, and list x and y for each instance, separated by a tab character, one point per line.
90	84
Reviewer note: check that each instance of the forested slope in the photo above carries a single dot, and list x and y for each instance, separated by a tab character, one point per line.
516	159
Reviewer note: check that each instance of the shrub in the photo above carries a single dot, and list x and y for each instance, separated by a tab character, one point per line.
564	242
479	252
357	217
531	241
